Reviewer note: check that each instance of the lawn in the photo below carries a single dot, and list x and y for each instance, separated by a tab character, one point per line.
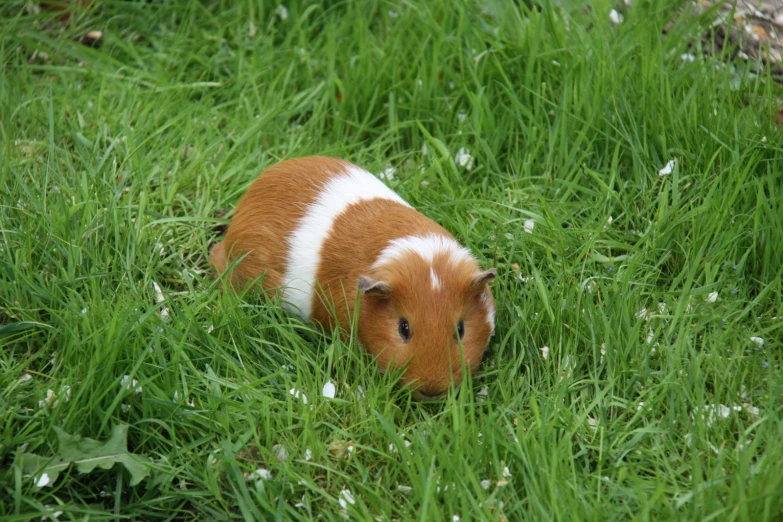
627	185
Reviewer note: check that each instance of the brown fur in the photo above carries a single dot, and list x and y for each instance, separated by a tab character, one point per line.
269	213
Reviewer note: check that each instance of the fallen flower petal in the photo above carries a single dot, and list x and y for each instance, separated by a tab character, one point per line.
297	395
43	480
464	159
346	497
666	170
261	473
328	390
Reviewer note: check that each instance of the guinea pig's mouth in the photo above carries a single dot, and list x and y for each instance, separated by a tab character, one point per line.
427	396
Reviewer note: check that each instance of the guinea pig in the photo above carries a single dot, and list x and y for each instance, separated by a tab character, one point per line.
321	230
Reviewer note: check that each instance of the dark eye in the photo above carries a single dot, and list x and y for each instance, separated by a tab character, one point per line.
461	330
405	329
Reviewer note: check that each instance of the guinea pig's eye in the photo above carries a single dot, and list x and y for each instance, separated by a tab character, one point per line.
405	329
461	330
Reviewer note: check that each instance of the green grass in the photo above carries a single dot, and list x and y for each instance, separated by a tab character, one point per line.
115	164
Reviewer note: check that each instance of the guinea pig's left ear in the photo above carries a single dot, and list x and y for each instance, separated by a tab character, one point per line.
369	286
483	278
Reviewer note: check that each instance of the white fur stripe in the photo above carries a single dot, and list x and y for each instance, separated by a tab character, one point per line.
427	247
305	244
434	279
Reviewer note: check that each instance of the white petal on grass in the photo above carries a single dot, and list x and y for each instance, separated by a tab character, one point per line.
404	489
308	454
280	453
529	226
545	352
687	57
615	17
712	297
752	410
387	173
461	116
482	393
758	341
464	159
593	423
261	474
328	390
24	378
506	472
282	12
164	312
711	412
124	407
485	484
298	395
668	168
50	396
130	384
360	393
569	364
455	518
346	497
43	480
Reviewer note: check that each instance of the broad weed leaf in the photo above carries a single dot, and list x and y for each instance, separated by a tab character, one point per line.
86	454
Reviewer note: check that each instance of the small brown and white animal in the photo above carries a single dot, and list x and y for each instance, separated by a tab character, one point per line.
320	230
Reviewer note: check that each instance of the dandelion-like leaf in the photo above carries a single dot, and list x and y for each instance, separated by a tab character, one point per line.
86	454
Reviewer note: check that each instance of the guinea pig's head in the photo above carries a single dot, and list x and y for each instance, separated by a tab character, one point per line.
426	306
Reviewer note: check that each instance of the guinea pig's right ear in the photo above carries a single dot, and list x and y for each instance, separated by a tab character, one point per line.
483	278
371	287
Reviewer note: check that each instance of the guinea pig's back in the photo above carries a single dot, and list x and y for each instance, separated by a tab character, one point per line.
267	216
